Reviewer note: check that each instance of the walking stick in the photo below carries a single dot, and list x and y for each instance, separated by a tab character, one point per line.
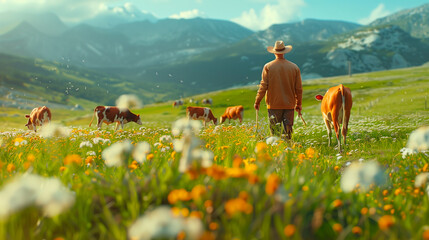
305	124
257	114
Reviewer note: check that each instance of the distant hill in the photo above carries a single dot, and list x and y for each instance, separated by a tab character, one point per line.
414	21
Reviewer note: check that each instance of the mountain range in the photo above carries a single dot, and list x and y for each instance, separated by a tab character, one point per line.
190	56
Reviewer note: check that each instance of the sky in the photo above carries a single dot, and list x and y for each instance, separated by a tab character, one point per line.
253	14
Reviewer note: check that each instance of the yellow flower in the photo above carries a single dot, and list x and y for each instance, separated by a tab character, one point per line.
310	152
337	203
197	192
31	157
261	147
150	156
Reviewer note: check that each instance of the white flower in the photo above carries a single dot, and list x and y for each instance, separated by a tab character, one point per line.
127	101
407	151
363	174
85	144
186	126
29	189
272	140
166	139
162	223
421	179
117	153
55	130
419	139
141	150
91	153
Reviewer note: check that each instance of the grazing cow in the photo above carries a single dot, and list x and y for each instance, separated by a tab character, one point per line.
207	101
38	117
201	113
110	115
177	103
336	106
233	113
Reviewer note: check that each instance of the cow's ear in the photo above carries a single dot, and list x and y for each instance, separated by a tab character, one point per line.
27	116
319	97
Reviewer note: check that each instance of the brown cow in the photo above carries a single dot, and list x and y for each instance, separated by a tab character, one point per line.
108	115
233	113
201	113
207	101
336	106
38	117
177	103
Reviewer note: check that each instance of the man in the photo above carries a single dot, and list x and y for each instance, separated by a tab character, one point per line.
281	82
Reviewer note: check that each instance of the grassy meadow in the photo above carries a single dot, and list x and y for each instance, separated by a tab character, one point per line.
173	179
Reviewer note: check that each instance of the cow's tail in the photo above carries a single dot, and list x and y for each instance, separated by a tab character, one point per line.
95	109
343	98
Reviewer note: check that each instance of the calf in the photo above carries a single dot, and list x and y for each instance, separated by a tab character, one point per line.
201	113
38	117
233	113
207	101
177	103
108	115
336	106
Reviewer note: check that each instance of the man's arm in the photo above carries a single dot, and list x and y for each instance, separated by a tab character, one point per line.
263	86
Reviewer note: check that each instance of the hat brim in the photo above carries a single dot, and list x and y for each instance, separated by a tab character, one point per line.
287	49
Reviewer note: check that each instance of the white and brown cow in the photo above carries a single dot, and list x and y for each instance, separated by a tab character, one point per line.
38	117
201	113
336	106
109	114
233	113
178	103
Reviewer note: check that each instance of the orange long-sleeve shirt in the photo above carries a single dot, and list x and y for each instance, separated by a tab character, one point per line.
281	81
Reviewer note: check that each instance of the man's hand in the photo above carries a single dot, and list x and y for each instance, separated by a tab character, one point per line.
298	109
256	106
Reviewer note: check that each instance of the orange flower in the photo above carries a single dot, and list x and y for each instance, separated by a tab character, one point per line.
150	156
72	159
217	172
301	156
310	152
305	188
337	203
357	230
134	165
27	165
89	160
10	167
197	192
385	222
178	195
336	168
236	205
236	172
213	226
337	227
253	178
290	230
387	207
273	183
425	234
31	157
261	147
62	169
364	211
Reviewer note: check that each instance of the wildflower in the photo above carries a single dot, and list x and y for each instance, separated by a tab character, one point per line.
273	183
165	139
357	230
421	180
140	152
72	159
162	223
29	189
363	174
236	205
55	130
385	222
85	144
186	127
261	147
217	172
289	230
273	141
117	153
425	235
10	167
178	195
337	203
197	192
337	227
419	139
20	141
310	152
127	101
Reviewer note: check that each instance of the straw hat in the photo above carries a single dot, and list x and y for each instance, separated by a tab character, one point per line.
279	48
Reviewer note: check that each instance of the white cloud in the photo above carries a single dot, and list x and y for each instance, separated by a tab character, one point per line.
188	14
280	12
69	11
379	12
